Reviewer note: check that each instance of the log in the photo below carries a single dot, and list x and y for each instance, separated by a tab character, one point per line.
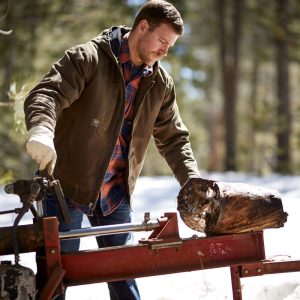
216	208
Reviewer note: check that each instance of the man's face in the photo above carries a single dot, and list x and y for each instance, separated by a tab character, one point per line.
153	45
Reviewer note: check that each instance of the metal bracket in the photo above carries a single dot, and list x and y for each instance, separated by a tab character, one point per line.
166	235
252	269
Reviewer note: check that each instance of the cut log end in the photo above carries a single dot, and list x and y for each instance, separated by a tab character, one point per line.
224	208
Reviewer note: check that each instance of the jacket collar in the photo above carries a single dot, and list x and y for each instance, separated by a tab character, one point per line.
115	40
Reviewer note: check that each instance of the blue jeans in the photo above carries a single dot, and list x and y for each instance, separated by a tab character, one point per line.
119	290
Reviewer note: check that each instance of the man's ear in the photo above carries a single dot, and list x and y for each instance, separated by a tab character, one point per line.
143	25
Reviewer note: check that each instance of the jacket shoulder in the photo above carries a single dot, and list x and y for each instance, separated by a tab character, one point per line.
87	52
165	77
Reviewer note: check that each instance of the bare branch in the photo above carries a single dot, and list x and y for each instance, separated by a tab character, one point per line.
6	104
5	32
7	10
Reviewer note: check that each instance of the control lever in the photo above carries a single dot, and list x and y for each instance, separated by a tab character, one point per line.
59	195
64	210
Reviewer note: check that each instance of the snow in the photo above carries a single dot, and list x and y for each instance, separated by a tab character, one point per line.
157	195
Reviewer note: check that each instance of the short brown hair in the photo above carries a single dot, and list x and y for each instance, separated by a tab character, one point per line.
157	12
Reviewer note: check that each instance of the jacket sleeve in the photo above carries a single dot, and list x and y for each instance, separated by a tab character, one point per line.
172	139
60	87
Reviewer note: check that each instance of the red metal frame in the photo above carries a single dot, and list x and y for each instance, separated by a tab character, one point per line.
49	268
164	252
258	269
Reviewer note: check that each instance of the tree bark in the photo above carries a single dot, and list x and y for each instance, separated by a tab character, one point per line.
224	208
254	157
229	43
283	93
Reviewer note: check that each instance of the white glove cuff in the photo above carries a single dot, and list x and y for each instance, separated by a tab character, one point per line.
42	135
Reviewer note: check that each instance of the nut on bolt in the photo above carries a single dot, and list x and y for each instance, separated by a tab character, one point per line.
147	217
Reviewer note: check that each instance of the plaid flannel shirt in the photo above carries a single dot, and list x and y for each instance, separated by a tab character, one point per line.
114	188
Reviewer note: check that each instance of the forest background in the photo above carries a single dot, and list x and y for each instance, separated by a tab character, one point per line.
236	70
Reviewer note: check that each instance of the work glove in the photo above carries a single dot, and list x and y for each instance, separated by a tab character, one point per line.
41	148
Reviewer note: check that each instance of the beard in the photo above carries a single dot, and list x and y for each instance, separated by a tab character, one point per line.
149	58
145	55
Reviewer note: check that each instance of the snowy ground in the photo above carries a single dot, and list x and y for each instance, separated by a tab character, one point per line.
157	195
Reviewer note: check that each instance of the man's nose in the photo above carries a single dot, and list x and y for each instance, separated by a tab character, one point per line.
164	50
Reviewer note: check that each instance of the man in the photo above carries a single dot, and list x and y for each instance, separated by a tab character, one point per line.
91	117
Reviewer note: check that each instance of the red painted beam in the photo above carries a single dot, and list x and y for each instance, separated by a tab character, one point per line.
268	267
161	257
281	266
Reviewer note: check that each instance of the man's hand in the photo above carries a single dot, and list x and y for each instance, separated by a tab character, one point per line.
41	148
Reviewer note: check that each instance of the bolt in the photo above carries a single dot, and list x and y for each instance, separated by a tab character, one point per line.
52	251
147	217
246	271
258	270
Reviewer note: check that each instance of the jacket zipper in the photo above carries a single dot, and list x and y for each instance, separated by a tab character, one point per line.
136	108
93	201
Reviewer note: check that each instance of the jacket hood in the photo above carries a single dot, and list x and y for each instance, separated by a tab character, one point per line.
109	40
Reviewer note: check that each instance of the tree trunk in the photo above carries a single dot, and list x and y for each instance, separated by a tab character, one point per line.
254	157
283	93
9	52
214	125
224	208
213	141
229	55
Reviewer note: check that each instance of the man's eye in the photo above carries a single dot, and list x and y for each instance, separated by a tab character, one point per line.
162	41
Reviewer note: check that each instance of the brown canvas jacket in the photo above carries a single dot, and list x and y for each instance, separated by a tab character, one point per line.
81	99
